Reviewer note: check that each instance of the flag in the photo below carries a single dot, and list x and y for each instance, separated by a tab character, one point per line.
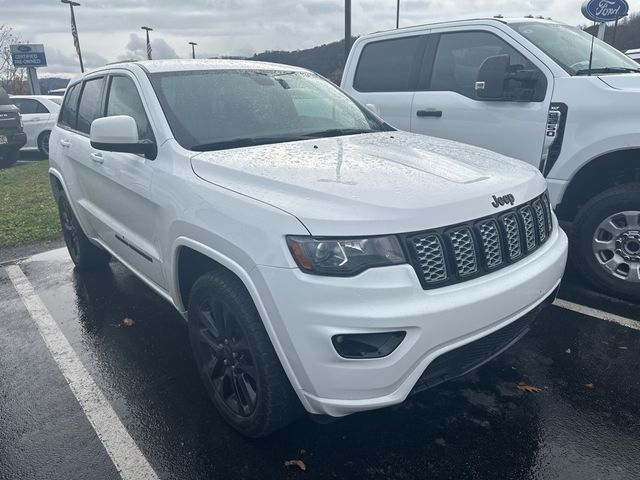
148	47
74	33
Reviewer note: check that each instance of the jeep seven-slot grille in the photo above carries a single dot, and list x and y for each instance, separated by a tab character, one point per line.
455	254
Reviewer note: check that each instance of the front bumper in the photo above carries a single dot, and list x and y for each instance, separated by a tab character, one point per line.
306	311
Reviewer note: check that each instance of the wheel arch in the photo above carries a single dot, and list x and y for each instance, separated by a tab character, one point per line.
597	175
203	258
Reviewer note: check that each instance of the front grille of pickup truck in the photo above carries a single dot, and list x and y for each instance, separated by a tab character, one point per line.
458	253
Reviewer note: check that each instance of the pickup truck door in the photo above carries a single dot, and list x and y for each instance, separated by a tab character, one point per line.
446	104
125	212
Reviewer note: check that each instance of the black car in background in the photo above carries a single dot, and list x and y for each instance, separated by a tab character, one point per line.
12	138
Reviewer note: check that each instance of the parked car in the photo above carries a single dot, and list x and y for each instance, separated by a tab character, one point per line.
321	257
633	54
39	114
58	92
525	88
12	138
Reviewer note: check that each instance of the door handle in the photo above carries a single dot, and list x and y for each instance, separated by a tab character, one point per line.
97	157
65	143
429	113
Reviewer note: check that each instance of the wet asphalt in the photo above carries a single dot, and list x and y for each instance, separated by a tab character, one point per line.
584	423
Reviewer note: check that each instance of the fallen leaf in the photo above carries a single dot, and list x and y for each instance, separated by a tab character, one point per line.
127	322
568	350
296	463
623	348
589	385
302	451
523	387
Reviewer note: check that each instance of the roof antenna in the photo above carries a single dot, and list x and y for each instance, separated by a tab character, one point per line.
593	38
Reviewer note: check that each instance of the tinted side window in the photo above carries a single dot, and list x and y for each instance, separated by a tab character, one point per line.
26	105
90	101
42	108
69	110
460	56
124	99
386	66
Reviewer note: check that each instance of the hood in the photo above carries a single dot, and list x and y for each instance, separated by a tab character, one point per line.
623	81
391	182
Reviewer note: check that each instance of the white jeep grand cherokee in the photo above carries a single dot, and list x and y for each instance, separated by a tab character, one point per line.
321	257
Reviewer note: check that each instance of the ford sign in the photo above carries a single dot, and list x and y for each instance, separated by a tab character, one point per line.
602	11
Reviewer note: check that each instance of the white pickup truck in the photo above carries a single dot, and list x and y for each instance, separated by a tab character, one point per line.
532	90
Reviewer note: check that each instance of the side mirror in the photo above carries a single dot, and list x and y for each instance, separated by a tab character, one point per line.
492	76
373	108
120	134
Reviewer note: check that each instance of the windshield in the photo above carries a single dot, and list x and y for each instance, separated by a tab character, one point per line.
570	47
217	109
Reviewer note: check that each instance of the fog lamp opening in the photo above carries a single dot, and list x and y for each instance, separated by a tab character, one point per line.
367	345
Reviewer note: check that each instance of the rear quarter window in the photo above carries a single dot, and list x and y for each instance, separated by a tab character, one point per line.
386	66
69	111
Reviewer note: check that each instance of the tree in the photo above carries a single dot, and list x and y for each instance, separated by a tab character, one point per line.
11	77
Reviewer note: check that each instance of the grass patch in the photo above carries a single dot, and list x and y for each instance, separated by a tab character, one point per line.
28	212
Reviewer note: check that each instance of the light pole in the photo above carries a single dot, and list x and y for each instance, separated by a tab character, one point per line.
148	29
398	15
193	49
347	29
74	31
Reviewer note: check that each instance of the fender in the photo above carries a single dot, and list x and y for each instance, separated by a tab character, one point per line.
245	278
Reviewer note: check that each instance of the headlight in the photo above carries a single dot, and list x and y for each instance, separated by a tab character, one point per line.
344	257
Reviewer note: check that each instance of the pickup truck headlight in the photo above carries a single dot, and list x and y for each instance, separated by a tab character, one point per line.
344	257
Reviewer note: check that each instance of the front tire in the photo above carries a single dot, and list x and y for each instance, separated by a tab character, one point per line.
7	159
43	143
84	254
606	241
235	358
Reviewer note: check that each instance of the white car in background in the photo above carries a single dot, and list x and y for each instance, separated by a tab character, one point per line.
39	114
634	54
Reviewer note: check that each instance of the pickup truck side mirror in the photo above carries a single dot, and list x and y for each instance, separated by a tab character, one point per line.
499	81
119	133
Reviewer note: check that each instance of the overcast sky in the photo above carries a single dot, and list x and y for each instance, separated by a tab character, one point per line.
110	29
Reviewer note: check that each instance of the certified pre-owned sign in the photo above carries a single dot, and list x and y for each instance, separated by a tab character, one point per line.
28	55
605	10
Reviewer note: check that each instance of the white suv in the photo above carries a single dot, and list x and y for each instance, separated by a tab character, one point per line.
533	90
321	257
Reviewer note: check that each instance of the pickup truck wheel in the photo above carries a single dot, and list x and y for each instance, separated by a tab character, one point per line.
7	159
235	358
43	143
84	254
606	241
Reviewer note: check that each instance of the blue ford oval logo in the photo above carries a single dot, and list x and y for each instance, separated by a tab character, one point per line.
605	10
24	48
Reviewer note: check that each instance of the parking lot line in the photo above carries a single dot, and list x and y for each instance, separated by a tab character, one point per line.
125	454
602	315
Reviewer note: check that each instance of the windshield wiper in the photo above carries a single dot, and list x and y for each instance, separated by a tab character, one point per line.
337	132
586	71
244	142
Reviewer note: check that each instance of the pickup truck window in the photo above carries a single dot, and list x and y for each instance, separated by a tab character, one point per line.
460	56
220	109
570	47
90	101
386	66
124	99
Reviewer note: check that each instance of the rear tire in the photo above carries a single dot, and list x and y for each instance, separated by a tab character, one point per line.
43	143
606	241
84	254
235	357
7	159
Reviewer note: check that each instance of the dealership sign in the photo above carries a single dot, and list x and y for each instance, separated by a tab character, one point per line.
28	55
602	11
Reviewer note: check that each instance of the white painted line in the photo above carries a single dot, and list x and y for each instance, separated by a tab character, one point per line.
125	454
602	315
